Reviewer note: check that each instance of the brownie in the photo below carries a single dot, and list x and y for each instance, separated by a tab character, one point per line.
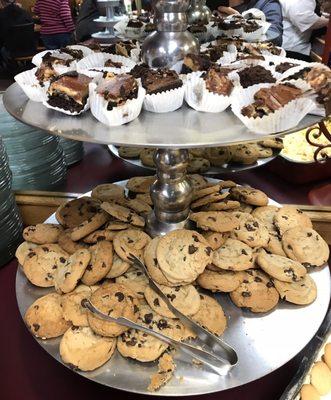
217	81
57	58
253	75
227	25
196	62
197	28
112	64
268	100
274	50
216	52
45	73
117	89
139	70
150	27
320	80
302	74
134	23
251	26
122	48
160	80
74	53
69	91
284	66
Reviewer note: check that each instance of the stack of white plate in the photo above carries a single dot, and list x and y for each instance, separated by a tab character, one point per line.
73	150
36	159
11	224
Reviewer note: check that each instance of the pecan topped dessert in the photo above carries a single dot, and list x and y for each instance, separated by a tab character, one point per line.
217	81
117	89
160	80
196	62
268	100
69	91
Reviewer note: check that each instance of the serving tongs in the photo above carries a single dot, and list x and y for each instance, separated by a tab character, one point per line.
210	349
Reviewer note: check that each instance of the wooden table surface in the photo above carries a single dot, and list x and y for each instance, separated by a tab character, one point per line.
29	373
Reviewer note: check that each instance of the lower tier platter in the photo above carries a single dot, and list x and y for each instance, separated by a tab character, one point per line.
184	128
226	168
263	343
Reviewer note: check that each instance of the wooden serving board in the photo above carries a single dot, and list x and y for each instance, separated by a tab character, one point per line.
37	206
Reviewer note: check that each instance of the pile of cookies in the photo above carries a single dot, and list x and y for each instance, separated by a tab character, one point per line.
203	159
238	244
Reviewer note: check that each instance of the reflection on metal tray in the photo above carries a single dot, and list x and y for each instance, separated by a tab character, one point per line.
226	168
263	342
184	128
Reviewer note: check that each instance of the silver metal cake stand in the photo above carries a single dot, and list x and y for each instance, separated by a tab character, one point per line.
171	133
212	171
107	22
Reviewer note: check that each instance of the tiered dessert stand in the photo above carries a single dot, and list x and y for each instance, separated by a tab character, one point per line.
263	343
107	22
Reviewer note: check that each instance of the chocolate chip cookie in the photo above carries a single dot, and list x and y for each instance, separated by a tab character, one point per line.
217	221
42	233
233	255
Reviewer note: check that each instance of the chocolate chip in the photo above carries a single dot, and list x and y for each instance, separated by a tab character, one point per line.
36	327
195	238
243	251
208	250
62	260
89	267
155	261
246	294
135	309
103	265
192	249
171	297
120	296
249	228
156	302
67	274
130	240
36	307
132	342
270	284
309	234
162	324
257	279
148	318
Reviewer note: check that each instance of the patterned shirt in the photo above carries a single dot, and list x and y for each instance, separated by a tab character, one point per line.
55	16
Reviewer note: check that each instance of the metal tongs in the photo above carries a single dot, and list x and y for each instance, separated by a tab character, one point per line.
213	352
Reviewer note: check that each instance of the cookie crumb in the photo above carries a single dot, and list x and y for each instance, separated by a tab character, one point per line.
165	372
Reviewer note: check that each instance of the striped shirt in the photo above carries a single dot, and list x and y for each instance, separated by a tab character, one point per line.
55	16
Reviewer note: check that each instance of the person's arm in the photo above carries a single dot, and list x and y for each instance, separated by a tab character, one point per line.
273	12
227	10
302	15
321	22
65	14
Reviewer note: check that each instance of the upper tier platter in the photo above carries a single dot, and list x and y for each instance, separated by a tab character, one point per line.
184	128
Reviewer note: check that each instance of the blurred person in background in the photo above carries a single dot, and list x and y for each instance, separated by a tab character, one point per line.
85	24
11	14
57	25
271	8
300	20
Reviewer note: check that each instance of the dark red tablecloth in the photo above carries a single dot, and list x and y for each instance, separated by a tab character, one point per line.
28	372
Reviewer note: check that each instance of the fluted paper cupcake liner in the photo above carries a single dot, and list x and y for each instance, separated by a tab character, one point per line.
235	78
67	112
254	36
96	61
273	61
164	102
118	115
198	97
281	120
37	59
30	85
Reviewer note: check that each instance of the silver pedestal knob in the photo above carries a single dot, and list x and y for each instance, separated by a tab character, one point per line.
198	12
171	193
168	46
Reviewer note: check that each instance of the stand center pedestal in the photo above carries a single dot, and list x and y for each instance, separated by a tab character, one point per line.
171	193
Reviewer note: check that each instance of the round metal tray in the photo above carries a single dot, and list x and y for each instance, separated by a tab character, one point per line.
184	128
225	169
263	342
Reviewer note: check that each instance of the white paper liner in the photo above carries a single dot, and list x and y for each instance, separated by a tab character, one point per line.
301	83
118	115
253	36
268	53
61	110
276	60
121	25
97	61
31	86
256	13
37	59
199	98
165	102
281	120
135	55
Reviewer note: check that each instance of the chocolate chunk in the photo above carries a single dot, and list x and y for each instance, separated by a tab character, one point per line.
36	327
156	302
162	324
148	318
192	249
246	294
120	296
